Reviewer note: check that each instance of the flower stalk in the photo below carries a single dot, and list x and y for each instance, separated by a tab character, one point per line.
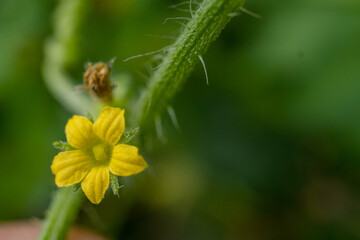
62	213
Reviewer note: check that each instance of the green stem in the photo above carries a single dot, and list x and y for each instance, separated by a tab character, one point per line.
206	25
62	213
60	51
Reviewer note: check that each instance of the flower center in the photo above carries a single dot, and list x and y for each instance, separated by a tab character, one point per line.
102	152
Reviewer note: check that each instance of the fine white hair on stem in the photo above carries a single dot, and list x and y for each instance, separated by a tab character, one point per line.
255	15
182	10
143	76
177	18
190	10
159	130
181	23
145	54
190	7
183	3
173	118
161	36
203	64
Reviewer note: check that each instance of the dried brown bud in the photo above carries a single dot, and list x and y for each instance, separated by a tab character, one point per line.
97	80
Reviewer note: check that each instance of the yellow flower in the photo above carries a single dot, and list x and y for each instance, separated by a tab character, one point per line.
96	154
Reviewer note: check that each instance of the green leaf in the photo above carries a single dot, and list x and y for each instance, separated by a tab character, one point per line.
63	146
129	135
114	183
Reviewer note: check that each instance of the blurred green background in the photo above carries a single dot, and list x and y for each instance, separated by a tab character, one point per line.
269	150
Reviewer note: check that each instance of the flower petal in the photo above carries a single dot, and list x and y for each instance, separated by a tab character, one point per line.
110	125
71	167
126	161
79	132
96	183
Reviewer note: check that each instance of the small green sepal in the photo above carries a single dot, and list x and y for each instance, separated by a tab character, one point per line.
114	183
63	146
129	135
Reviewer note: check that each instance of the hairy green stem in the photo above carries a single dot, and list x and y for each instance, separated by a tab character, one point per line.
62	213
205	26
